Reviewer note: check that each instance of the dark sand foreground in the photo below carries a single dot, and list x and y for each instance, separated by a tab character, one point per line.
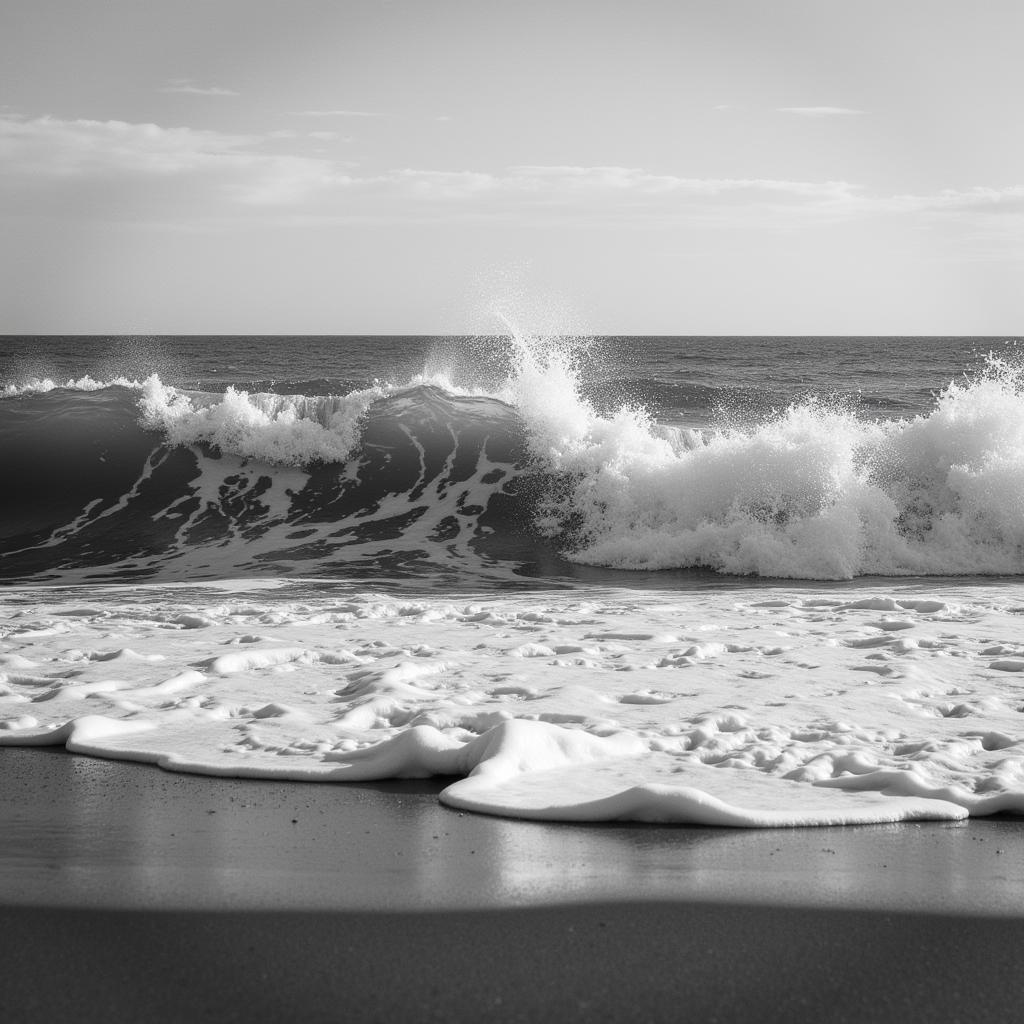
128	893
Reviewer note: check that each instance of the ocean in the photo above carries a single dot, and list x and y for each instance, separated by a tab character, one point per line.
732	581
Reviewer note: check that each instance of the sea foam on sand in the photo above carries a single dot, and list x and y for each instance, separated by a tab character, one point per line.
740	706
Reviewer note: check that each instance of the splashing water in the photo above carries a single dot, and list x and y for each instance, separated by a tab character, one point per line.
735	704
812	491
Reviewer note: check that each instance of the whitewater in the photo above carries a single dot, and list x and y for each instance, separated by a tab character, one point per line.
736	581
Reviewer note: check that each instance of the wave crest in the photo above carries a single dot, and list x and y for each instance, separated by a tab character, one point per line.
278	429
814	492
528	468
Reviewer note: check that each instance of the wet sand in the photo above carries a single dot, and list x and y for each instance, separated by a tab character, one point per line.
129	893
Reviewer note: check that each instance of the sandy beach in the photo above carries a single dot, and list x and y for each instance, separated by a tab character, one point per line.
130	893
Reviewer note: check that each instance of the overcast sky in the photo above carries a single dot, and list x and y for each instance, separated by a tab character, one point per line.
671	167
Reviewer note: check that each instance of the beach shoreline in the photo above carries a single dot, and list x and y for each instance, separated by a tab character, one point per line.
176	897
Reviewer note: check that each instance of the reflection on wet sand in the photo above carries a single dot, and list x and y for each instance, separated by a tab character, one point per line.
81	831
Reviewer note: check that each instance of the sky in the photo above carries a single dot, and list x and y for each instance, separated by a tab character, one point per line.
415	166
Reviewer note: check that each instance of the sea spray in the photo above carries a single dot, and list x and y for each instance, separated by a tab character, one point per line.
520	463
43	385
811	492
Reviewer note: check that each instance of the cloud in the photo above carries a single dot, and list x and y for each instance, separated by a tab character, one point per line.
109	163
187	86
637	181
819	111
55	148
86	170
337	113
137	171
614	194
980	201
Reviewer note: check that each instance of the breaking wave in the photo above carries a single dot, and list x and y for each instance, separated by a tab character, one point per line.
133	479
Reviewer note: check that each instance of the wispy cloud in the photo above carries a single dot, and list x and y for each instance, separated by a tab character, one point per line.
610	195
116	170
97	158
188	87
634	180
980	201
337	113
819	111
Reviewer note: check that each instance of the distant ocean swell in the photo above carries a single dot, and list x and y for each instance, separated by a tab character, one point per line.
126	480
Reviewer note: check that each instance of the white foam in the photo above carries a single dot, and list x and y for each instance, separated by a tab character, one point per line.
43	385
284	429
631	705
537	771
813	492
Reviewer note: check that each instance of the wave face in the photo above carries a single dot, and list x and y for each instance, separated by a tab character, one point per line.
541	470
136	483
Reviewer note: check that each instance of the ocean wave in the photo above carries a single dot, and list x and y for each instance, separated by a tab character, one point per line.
128	479
115	484
813	492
